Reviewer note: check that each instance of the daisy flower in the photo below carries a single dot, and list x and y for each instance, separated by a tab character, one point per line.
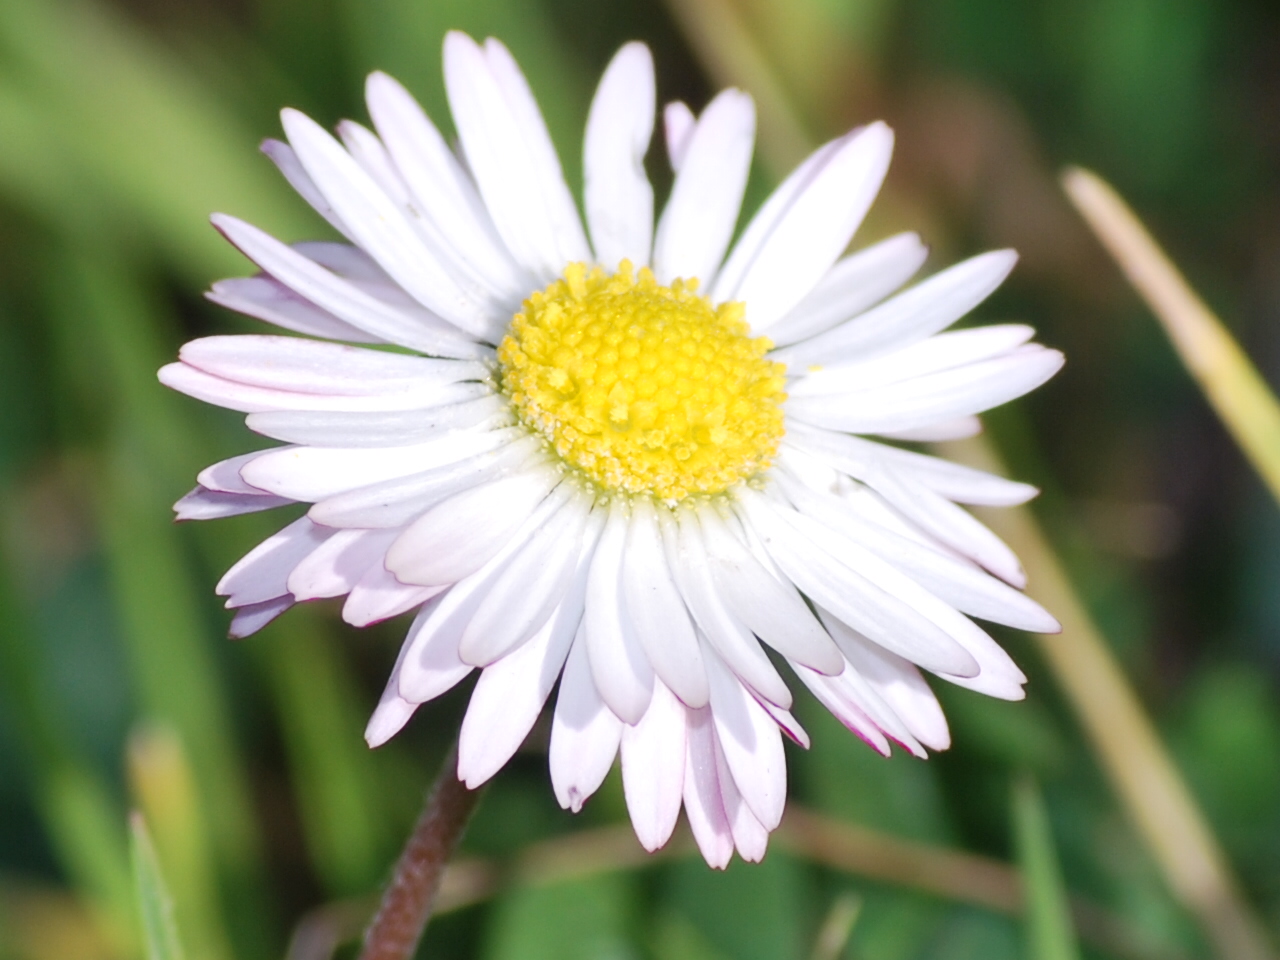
632	458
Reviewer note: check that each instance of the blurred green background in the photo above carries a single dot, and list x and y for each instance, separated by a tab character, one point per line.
124	124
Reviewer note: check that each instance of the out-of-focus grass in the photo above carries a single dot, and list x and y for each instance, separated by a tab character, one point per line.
80	816
155	903
1229	380
118	135
1050	935
164	786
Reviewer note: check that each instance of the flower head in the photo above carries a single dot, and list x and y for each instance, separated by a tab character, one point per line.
628	463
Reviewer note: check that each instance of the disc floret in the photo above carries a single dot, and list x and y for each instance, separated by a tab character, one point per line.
644	388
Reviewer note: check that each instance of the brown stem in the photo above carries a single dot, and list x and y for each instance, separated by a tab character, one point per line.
406	906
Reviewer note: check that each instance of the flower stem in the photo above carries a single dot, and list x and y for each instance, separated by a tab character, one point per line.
406	905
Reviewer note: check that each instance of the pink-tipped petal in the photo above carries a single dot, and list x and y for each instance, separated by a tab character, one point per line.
703	802
585	734
653	757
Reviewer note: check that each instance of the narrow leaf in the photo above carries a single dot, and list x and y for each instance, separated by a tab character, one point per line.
1050	934
155	909
1231	383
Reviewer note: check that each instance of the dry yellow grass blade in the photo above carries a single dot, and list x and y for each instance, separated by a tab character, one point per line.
1127	745
1238	393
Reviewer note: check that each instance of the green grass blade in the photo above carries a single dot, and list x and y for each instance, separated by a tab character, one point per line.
1050	933
83	820
155	908
164	786
1229	380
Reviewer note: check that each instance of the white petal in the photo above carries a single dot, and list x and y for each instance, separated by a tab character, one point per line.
891	591
751	743
315	367
431	664
440	186
530	588
898	684
511	156
287	162
379	227
793	241
946	351
509	696
861	458
854	284
653	757
380	428
730	638
857	694
252	617
249	399
621	670
584	733
953	580
998	676
951	525
749	835
367	150
922	311
224	476
389	717
771	609
394	503
787	723
393	711
204	504
703	803
867	606
511	692
698	220
457	537
678	122
380	596
475	283
541	151
261	574
338	564
343	299
957	428
362	272
767	218
314	473
658	614
841	696
268	299
617	194
354	265
934	396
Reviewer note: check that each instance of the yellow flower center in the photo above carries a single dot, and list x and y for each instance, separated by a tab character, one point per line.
645	389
